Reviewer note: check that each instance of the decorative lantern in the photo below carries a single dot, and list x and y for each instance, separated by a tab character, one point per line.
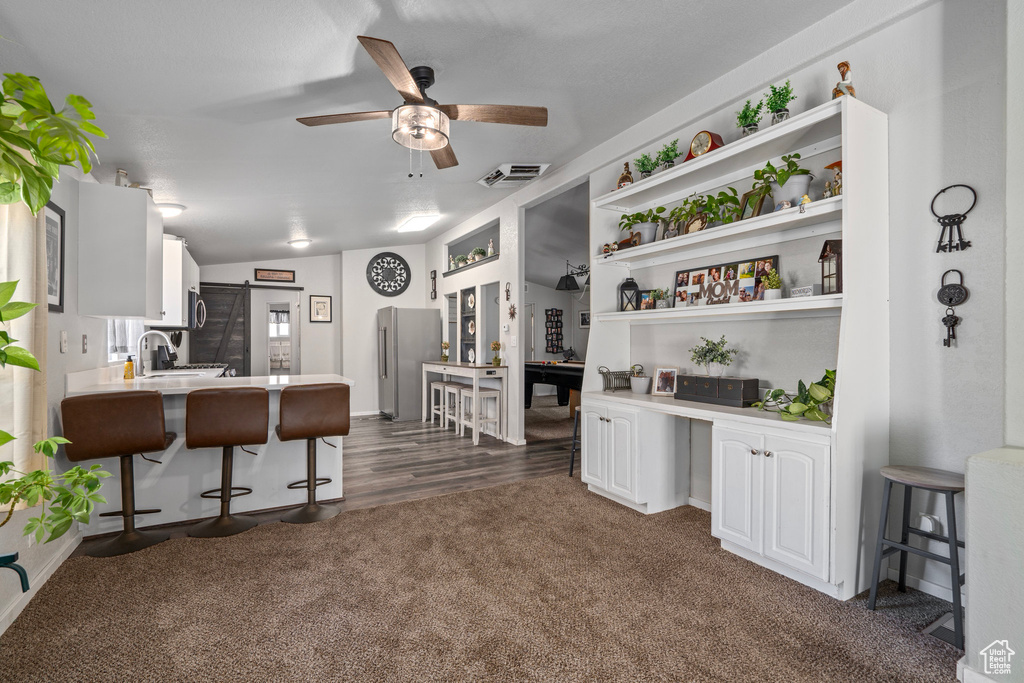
831	261
629	295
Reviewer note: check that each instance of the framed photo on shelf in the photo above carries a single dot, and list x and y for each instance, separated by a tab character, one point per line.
584	319
54	216
664	382
750	204
647	302
723	283
319	309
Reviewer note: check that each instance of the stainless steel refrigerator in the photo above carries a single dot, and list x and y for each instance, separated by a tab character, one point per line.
406	337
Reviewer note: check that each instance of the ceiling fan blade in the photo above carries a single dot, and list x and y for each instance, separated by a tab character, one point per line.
328	119
390	62
497	113
444	157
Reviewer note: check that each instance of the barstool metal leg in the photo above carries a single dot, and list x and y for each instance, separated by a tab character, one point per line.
572	455
878	546
312	511
954	569
908	493
130	539
225	524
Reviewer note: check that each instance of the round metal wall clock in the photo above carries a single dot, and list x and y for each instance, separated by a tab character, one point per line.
388	274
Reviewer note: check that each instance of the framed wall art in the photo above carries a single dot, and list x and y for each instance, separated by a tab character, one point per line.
54	216
269	275
664	382
319	309
584	319
750	204
724	283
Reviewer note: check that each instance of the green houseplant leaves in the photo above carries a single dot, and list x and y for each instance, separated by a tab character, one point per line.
811	402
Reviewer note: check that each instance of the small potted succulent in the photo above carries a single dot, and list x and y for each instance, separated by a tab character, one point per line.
646	164
777	100
461	260
772	285
496	347
643	222
795	180
748	117
660	298
668	154
444	351
478	254
713	355
639	383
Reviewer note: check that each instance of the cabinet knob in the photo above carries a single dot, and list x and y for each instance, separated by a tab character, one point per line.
767	454
753	451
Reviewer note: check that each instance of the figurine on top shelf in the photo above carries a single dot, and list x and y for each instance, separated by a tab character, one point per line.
845	86
490	247
451	262
626	178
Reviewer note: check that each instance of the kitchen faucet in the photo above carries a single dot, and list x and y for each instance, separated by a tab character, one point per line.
140	366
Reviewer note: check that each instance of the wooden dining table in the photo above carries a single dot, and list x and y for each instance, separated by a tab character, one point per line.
475	373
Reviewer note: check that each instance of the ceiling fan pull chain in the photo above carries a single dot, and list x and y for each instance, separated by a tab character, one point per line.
421	163
410	162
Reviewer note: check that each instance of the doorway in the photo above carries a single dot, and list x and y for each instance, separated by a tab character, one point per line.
275	341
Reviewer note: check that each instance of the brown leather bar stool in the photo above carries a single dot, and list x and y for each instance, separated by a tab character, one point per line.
311	412
225	418
118	425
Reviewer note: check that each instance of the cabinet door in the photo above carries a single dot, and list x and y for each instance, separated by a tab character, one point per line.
796	507
592	468
621	453
736	481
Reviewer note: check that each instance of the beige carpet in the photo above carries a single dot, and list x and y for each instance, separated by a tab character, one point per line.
537	580
545	420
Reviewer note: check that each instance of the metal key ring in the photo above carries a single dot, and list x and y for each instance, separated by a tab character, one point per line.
950	188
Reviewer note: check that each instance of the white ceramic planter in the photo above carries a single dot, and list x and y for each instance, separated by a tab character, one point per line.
795	188
772	294
640	385
647	231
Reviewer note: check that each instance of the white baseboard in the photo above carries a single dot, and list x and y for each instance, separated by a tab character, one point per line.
699	504
37	581
968	675
365	413
933	589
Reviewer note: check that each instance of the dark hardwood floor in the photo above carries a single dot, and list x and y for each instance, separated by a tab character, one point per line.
387	462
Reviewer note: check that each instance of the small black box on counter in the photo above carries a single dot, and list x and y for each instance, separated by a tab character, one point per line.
739	392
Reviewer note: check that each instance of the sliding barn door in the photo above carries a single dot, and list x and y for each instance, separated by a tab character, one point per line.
225	338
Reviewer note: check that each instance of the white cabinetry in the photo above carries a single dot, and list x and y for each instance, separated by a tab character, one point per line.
120	253
771	496
632	456
180	276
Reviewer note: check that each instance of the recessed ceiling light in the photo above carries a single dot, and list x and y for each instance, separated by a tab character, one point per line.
418	223
301	243
170	210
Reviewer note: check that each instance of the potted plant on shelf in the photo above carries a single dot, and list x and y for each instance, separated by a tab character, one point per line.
748	117
444	351
660	298
478	254
772	285
646	164
461	260
812	402
639	383
643	222
770	180
690	216
713	355
777	100
496	347
668	154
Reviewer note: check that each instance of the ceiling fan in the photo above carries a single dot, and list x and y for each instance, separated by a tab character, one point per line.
421	123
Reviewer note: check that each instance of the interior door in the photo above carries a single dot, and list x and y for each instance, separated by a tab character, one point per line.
737	481
225	338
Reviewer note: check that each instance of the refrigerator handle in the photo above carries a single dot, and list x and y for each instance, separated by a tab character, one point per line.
382	358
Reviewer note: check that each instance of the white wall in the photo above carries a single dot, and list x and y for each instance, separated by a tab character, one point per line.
1014	224
359	319
321	347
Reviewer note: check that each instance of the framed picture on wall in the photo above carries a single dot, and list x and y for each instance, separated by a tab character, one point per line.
269	275
319	309
584	319
664	382
54	216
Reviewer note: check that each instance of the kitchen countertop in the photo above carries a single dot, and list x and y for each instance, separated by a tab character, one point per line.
93	382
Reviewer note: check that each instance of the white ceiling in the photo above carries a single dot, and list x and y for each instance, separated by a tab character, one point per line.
557	230
199	98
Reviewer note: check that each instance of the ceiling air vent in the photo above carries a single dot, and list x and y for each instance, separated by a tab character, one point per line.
508	175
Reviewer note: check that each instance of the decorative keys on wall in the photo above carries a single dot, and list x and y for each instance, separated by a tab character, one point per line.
953	222
950	295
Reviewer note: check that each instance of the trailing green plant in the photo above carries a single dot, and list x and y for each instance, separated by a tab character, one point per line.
778	97
63	498
749	115
669	152
36	140
806	403
645	163
461	258
712	352
690	208
724	206
764	177
772	280
628	220
478	251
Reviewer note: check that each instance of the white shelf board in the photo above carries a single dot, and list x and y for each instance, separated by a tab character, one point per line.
773	228
814	131
802	307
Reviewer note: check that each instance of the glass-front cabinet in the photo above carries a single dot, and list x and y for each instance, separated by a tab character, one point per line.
468	325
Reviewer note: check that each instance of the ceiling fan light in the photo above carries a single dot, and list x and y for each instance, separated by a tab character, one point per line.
420	127
170	210
300	243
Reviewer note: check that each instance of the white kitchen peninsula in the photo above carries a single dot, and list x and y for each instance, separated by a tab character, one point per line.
174	483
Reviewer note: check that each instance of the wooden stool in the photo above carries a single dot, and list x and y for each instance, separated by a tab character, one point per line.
450	405
479	411
118	425
310	412
929	479
225	418
437	407
575	438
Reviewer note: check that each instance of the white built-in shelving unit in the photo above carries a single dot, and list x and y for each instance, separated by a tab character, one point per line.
796	498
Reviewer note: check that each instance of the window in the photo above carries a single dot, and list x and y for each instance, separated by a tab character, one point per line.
122	336
279	324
